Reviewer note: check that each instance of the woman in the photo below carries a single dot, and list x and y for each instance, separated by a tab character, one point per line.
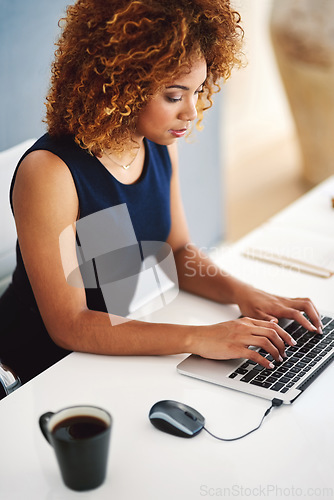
128	79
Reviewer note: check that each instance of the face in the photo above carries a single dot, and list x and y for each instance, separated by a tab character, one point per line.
168	114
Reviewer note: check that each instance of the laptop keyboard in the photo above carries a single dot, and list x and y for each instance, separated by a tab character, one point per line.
308	352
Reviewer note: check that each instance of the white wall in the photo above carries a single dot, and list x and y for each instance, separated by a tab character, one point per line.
27	34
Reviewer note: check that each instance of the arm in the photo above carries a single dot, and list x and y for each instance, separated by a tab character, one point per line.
199	275
45	203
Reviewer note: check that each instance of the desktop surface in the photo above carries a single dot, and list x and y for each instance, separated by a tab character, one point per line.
292	449
290	456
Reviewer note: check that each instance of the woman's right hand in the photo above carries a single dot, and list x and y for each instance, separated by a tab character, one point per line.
232	339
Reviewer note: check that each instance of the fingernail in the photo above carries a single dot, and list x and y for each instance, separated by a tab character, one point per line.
293	341
280	359
271	365
284	355
319	330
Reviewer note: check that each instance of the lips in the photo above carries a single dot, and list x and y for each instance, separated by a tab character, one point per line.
178	133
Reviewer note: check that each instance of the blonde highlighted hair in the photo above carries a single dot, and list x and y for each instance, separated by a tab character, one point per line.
113	55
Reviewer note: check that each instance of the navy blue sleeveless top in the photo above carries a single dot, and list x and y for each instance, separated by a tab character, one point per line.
147	200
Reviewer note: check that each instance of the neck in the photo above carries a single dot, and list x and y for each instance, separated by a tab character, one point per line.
126	158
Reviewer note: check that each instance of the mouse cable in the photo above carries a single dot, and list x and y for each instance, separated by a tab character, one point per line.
275	403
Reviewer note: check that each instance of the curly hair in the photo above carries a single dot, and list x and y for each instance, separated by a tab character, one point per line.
113	55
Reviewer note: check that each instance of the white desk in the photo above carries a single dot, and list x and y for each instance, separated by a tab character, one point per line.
291	456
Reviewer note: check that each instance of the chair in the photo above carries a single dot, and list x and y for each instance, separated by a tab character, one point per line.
9	381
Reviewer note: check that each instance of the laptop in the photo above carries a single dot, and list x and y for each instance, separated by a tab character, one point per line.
287	381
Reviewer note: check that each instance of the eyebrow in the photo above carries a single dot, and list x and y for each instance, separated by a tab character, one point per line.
182	87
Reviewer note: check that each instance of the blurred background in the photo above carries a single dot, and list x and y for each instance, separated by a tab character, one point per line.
262	159
278	120
248	162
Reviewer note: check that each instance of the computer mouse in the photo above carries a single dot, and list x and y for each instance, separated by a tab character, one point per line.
176	418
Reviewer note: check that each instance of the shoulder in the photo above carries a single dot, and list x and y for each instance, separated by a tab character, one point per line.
44	180
43	168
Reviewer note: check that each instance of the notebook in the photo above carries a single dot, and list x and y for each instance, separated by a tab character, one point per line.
287	381
303	250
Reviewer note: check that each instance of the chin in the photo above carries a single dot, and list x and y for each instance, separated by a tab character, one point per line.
163	141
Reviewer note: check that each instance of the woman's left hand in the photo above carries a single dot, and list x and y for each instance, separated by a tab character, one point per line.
258	304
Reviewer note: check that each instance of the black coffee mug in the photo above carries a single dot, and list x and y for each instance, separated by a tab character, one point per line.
80	436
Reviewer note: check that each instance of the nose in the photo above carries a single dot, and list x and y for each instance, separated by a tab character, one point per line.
189	111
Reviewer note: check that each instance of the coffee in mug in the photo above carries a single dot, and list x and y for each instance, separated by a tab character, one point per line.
80	436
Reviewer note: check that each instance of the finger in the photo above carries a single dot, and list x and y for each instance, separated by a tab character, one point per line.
257	358
307	306
314	315
266	338
267	345
298	316
277	335
263	316
285	336
268	317
306	303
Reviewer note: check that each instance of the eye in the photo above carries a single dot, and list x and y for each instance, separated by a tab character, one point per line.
173	99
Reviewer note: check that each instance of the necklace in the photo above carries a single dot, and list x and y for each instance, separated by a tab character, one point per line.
126	166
